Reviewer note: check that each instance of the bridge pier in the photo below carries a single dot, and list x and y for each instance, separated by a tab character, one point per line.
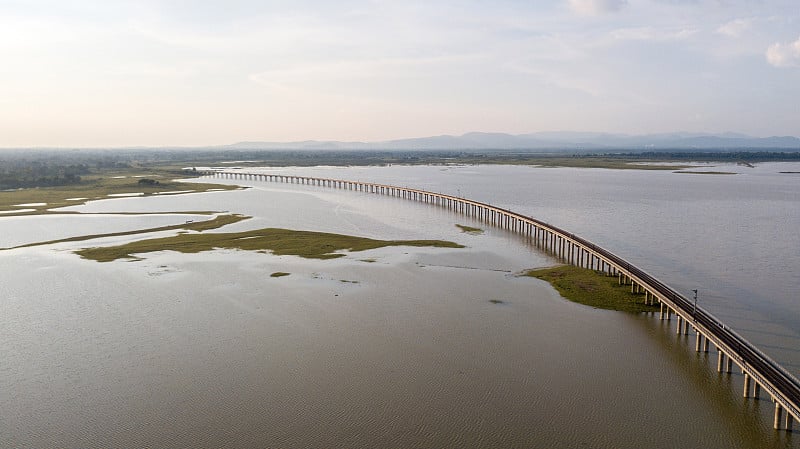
778	415
746	385
720	357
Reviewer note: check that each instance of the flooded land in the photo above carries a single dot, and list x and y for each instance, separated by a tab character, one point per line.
433	340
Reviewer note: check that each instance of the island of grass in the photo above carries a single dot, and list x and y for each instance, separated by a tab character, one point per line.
469	229
592	288
279	274
308	244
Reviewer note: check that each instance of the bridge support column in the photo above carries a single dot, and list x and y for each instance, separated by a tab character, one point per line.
685	327
728	364
720	357
789	420
778	415
756	389
705	344
697	341
680	325
661	312
746	385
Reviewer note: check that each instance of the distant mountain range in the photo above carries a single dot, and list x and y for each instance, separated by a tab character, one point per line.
552	141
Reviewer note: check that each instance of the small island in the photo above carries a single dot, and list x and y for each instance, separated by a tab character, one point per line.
308	244
592	288
469	229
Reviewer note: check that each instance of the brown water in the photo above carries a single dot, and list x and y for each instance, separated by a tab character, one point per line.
208	350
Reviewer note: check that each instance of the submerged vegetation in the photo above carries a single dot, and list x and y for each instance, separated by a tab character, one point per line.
314	245
591	288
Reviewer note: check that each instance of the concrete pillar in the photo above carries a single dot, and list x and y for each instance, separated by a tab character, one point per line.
697	340
661	312
756	389
705	344
720	357
789	420
746	385
778	415
686	328
728	364
680	324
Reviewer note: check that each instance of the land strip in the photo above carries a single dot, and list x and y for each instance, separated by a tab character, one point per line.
214	223
109	185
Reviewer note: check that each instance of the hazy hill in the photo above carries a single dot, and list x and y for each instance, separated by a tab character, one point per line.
551	141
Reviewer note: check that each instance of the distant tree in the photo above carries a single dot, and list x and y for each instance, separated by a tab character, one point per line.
148	182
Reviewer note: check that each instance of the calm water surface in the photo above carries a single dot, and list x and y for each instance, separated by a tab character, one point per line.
396	347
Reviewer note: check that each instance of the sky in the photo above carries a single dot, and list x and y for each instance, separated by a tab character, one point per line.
196	72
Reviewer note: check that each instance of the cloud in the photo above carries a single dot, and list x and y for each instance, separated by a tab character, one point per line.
595	7
652	34
784	55
735	28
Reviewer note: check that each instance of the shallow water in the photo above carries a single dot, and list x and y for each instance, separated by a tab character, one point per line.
209	350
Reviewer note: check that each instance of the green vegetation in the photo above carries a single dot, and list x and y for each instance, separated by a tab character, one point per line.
315	245
216	222
469	229
94	188
279	274
592	288
345	281
496	301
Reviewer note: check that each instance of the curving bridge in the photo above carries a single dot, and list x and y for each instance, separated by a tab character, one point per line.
760	371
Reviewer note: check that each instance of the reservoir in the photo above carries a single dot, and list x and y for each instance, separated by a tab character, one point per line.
401	347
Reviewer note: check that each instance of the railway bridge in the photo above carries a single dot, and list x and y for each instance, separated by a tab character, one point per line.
761	373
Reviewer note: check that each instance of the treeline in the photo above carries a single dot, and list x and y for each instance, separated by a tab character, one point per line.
39	174
714	156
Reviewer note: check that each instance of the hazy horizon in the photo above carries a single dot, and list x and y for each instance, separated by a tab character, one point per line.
202	73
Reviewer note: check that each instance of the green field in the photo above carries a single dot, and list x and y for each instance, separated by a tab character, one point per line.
96	188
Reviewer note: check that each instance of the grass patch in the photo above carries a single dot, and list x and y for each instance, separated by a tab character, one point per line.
469	229
348	282
496	301
216	222
313	245
368	260
592	288
279	274
99	187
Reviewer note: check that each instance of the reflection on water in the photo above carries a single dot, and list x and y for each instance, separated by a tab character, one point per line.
209	350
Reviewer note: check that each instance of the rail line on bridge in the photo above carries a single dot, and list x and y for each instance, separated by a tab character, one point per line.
759	370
